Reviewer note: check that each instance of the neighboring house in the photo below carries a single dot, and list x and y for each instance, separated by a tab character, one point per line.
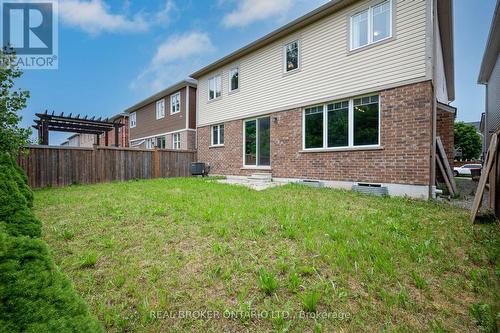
123	132
352	92
166	120
81	140
489	75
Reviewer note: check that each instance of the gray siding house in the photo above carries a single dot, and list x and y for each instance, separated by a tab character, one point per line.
489	75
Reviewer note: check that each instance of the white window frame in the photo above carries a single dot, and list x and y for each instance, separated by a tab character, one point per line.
350	145
370	25
132	120
160	109
164	139
149	143
230	76
215	77
176	141
299	55
175	108
218	144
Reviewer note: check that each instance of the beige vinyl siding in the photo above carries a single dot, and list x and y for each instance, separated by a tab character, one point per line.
327	68
441	89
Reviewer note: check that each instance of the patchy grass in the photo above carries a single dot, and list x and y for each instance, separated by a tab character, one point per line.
290	258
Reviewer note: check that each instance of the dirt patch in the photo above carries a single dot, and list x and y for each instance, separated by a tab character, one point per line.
466	191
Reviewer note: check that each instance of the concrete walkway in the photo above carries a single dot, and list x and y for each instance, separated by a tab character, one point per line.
254	184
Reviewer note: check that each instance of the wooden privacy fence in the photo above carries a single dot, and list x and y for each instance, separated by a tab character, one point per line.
60	166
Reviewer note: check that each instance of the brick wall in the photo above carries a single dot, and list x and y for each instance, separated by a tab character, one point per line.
405	137
123	135
188	140
445	124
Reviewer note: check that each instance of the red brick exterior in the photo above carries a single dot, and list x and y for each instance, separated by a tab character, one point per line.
406	136
123	134
445	125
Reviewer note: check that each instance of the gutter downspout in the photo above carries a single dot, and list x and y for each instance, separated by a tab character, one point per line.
432	185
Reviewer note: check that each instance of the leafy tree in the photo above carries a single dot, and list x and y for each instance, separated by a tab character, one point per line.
468	140
11	102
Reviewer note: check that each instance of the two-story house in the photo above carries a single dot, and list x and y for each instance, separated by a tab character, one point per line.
489	75
352	92
166	120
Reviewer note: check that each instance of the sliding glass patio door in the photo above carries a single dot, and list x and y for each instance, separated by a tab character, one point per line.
257	138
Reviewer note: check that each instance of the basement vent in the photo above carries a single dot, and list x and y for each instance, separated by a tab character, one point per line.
374	189
369	185
312	183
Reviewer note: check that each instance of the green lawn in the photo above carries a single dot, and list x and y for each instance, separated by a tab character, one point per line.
290	258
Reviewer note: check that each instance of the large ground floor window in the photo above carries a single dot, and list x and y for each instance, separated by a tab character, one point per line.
257	138
161	142
343	124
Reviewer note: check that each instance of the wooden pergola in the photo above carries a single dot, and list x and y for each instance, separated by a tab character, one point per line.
47	122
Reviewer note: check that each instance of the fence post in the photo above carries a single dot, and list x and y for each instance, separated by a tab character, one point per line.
156	163
95	167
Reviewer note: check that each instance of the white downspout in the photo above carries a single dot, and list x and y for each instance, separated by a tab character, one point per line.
432	187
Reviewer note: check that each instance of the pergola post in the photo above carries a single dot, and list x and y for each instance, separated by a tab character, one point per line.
106	138
45	134
40	135
117	128
97	139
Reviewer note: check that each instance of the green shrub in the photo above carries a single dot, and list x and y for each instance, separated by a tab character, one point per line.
22	182
16	217
19	176
34	295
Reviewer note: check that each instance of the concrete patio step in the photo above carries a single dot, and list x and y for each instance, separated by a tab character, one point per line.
261	177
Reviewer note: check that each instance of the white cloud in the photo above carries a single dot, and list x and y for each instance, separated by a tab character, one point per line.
174	60
249	11
94	17
181	47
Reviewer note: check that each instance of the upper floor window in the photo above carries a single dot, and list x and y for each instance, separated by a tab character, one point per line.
371	25
292	56
218	135
175	103
234	80
214	87
160	109
133	120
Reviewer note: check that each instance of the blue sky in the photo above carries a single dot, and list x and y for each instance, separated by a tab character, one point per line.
114	53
